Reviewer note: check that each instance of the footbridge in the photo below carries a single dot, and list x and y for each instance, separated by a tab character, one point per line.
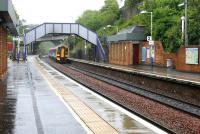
60	29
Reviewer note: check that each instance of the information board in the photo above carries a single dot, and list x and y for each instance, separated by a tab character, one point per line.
192	56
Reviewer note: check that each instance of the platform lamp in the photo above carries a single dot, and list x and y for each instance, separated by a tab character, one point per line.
185	3
109	26
151	46
143	12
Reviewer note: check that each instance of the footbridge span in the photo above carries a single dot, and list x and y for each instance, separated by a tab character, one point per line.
46	29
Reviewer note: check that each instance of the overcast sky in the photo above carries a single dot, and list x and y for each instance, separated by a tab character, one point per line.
40	11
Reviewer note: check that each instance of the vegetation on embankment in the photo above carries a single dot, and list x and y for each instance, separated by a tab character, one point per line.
166	20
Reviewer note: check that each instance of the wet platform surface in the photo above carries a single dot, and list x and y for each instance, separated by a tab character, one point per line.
169	72
29	105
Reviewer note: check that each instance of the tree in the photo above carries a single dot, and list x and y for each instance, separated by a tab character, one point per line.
193	22
90	19
166	22
131	3
109	13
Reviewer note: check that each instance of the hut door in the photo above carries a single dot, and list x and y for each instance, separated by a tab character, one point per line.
135	54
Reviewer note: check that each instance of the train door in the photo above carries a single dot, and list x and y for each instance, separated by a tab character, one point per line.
135	54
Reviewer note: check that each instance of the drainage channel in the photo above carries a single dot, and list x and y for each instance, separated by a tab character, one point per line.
121	119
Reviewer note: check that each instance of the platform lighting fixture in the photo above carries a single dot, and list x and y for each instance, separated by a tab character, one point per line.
151	47
185	3
143	12
109	26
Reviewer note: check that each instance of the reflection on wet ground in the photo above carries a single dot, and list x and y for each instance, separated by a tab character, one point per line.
7	107
123	123
29	106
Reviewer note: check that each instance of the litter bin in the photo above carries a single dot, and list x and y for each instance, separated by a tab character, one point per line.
169	63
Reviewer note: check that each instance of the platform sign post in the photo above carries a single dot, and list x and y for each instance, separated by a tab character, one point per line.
151	43
152	52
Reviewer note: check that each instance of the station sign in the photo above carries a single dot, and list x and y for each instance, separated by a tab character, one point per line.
151	43
149	38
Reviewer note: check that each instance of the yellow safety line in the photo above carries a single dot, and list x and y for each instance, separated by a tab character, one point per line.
91	119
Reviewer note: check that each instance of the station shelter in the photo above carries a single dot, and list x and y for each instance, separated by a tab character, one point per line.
8	25
125	46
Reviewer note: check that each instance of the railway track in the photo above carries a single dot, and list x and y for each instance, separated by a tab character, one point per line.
183	107
180	105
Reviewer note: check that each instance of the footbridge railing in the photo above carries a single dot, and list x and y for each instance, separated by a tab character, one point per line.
64	28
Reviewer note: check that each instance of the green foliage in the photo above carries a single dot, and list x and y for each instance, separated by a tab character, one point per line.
166	20
131	3
90	19
193	23
107	15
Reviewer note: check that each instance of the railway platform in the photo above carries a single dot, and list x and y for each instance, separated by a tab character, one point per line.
27	105
152	71
36	99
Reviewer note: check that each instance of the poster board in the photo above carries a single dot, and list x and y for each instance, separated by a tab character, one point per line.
192	56
144	54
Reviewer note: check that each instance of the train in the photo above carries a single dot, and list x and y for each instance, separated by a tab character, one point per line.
59	53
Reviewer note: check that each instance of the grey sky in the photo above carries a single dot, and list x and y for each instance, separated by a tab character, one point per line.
39	11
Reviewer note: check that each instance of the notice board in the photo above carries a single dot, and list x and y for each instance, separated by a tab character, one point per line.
192	56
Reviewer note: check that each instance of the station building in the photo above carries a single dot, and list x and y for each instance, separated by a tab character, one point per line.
124	48
8	25
129	47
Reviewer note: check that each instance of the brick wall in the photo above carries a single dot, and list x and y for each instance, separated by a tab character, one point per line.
159	52
3	53
171	56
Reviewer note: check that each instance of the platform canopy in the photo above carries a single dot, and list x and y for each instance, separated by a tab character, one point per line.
8	17
57	29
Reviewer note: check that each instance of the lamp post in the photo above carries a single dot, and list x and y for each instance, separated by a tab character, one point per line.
143	12
109	26
186	6
151	45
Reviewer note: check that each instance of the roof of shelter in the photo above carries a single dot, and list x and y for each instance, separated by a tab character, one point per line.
8	17
132	29
132	33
